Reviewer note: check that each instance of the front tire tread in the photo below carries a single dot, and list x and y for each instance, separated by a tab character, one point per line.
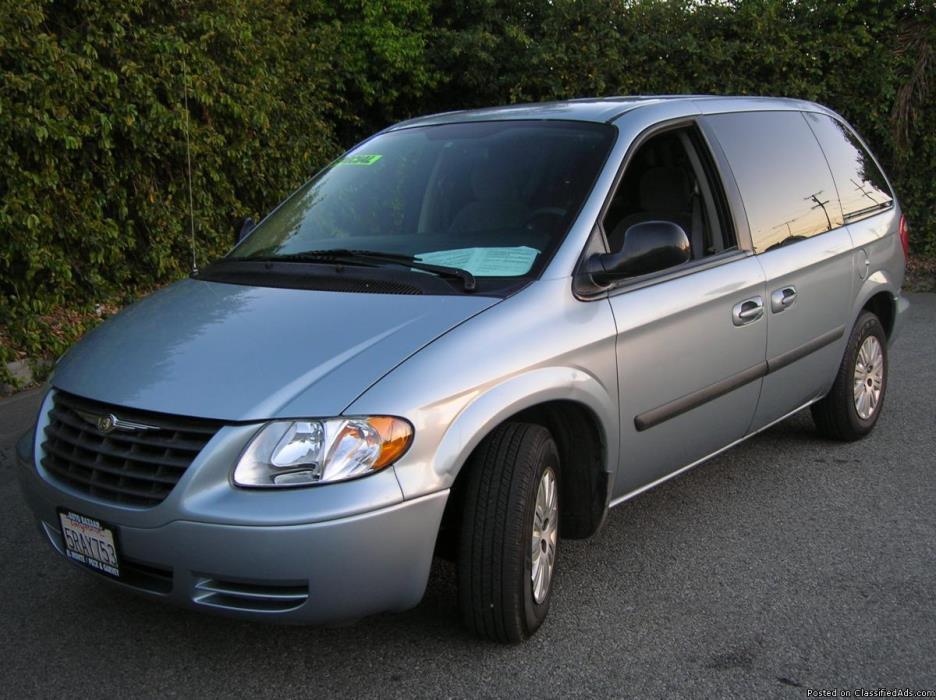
491	561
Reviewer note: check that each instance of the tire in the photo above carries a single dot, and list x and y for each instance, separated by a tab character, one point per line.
495	554
841	415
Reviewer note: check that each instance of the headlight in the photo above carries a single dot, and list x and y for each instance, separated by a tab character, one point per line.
303	452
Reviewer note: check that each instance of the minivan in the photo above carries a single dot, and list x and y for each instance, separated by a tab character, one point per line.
470	336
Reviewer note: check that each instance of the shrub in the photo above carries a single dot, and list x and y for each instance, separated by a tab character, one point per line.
93	192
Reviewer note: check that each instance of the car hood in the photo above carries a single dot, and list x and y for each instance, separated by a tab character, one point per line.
243	353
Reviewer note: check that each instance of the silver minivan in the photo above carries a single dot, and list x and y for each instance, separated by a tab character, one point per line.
469	337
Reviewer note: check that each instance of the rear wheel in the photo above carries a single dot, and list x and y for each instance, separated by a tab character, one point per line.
852	407
509	533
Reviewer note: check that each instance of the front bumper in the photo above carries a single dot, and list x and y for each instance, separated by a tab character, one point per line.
325	571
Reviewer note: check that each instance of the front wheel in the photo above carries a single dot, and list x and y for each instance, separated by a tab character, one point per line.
851	409
509	533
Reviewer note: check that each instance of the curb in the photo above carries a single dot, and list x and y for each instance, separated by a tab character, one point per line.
18	413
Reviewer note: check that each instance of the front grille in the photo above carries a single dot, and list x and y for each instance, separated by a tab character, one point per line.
130	467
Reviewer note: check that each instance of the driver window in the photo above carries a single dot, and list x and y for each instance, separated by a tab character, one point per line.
671	179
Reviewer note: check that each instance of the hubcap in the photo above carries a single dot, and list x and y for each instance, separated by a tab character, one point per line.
869	377
545	535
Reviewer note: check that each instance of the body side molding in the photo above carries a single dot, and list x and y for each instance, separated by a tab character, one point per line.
791	356
677	407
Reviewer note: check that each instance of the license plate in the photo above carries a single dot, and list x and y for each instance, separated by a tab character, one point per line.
90	542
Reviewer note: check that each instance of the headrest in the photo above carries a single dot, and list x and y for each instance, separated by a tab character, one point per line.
665	189
490	183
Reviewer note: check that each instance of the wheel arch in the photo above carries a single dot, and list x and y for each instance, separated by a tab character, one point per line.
878	294
581	416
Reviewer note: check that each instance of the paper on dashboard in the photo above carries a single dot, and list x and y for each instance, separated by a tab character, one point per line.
508	261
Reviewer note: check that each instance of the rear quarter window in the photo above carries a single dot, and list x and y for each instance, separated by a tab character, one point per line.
862	189
785	183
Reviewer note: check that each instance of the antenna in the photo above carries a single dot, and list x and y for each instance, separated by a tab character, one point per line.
864	190
188	156
814	197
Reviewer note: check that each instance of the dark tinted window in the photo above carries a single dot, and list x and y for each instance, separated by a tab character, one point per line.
862	189
784	180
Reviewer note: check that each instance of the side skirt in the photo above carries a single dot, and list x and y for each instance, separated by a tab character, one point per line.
652	484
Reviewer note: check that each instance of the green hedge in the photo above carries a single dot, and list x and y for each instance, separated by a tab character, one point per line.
874	61
93	198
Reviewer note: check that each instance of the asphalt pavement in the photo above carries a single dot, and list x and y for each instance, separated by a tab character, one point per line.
789	563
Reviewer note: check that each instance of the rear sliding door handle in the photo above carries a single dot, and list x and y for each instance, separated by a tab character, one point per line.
782	299
747	311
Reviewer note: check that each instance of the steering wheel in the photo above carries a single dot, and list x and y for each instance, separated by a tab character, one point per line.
542	213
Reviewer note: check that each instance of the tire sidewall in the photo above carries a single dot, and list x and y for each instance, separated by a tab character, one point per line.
534	613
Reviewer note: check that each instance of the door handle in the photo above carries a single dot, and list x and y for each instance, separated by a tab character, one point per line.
782	299
747	311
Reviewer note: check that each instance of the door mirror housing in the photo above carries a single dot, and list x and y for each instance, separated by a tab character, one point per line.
649	246
247	225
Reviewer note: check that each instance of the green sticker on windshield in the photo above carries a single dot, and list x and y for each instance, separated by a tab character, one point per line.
360	159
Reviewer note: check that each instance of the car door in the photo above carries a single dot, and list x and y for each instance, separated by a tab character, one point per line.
691	339
803	247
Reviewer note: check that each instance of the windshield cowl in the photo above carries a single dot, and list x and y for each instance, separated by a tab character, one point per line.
344	256
341	277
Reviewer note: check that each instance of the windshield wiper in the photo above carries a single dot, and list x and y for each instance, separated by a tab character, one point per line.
347	256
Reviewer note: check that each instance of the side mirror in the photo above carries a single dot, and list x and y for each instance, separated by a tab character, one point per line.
246	227
649	246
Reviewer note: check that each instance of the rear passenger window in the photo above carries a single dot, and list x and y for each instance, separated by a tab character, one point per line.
862	189
784	180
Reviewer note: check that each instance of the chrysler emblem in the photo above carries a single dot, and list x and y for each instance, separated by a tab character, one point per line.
106	424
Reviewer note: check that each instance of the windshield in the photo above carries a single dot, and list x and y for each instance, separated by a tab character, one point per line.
491	198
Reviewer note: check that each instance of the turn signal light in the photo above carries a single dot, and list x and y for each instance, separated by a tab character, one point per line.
395	437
